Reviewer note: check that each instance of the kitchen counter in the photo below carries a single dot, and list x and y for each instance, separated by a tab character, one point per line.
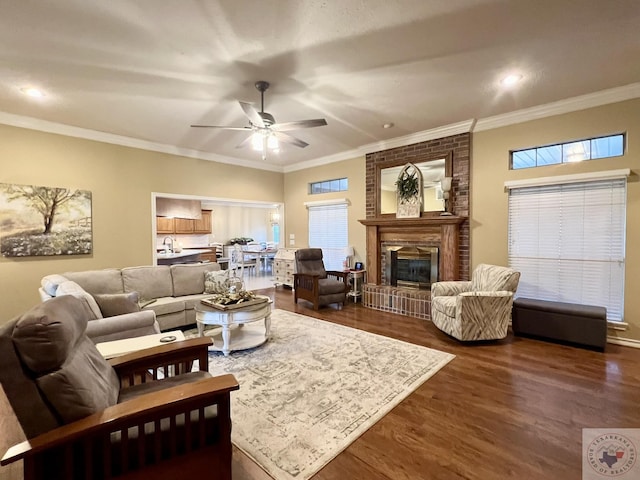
185	256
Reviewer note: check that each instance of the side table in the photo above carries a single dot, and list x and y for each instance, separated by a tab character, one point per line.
115	348
359	277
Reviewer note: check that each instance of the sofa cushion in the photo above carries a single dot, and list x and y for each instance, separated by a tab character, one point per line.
50	283
72	288
166	305
216	281
192	301
150	282
112	304
98	281
188	279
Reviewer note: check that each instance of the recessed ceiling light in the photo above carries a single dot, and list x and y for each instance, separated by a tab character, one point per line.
511	80
388	125
32	92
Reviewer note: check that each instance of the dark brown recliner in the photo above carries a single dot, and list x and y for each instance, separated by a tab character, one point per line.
313	283
142	415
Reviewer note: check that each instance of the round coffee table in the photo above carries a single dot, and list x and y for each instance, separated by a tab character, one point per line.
240	329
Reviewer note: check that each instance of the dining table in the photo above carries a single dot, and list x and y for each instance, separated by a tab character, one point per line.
263	256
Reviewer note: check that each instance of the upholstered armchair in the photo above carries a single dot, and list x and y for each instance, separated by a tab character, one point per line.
479	309
142	415
313	283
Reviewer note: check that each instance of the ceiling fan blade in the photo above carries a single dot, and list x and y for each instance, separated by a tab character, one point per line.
224	128
252	114
283	127
245	142
291	140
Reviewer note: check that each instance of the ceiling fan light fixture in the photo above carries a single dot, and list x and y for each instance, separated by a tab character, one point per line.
272	143
256	141
265	134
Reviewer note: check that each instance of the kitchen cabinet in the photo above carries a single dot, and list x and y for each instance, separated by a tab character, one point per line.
209	257
184	225
204	224
165	225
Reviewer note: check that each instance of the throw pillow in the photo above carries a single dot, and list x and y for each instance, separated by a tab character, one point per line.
72	288
112	304
216	281
51	282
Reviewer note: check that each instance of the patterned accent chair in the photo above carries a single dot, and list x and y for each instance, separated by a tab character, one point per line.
475	310
315	284
142	415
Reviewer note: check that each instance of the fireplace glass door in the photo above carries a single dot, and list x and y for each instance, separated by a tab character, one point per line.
411	266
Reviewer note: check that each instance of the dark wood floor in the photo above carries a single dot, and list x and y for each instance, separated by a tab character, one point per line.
500	410
513	408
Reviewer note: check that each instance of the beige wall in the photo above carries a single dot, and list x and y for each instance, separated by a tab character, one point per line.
296	186
490	169
121	180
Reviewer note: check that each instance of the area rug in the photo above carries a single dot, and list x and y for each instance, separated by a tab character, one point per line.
314	388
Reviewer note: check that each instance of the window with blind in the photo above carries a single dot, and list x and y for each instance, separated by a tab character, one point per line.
568	242
328	230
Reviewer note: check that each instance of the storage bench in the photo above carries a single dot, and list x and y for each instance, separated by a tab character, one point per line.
569	322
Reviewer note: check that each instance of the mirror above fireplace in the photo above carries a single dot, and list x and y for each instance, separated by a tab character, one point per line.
433	171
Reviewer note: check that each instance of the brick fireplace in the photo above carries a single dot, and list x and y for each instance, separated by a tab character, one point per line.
448	233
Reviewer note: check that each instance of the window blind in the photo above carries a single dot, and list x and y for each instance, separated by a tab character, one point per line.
328	230
568	242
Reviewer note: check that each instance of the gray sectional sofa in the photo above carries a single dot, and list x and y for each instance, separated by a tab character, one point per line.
170	292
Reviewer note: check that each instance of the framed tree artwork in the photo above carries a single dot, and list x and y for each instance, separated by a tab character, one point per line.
39	221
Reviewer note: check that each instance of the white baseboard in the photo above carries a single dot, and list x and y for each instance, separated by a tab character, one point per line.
625	342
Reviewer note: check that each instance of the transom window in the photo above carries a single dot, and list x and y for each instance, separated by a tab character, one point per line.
328	186
589	149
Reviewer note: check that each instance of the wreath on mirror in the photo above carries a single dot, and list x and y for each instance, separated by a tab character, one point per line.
408	185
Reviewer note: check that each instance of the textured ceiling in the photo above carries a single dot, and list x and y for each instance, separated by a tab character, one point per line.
148	69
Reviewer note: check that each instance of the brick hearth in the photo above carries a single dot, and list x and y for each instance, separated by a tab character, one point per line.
405	301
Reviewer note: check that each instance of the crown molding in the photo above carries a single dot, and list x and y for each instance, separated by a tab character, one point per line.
424	136
582	102
318	162
84	133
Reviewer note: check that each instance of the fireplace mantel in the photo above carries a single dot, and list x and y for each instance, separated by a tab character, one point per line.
441	231
412	222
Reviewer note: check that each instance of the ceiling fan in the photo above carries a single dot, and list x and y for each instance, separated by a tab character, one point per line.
265	132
